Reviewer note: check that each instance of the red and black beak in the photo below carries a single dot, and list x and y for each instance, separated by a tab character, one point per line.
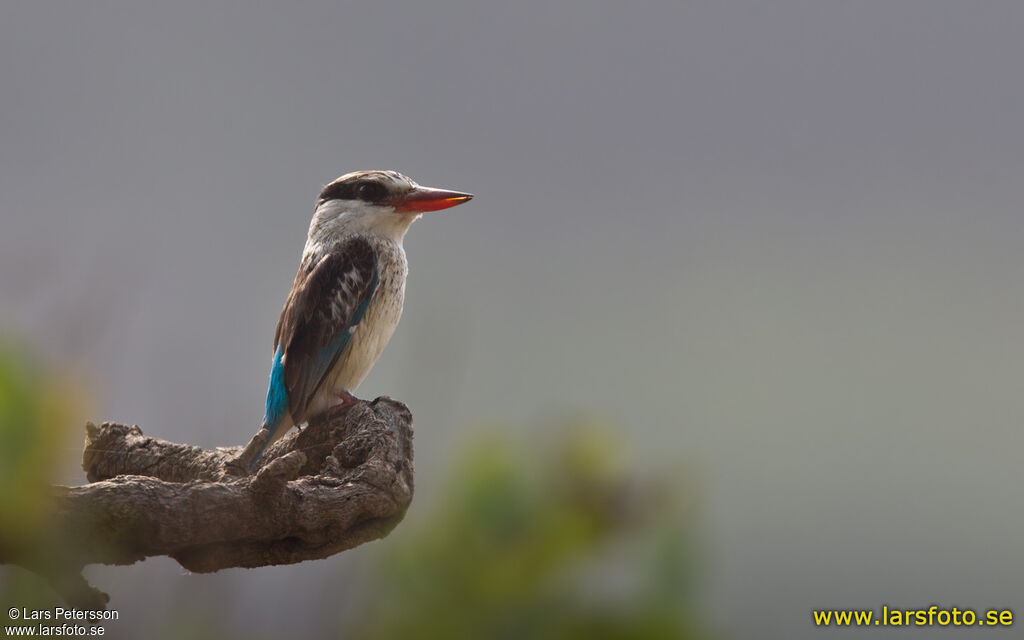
423	199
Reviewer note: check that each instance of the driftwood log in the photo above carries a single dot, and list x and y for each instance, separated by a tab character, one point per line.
343	480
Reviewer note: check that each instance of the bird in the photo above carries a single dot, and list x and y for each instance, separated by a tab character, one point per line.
347	296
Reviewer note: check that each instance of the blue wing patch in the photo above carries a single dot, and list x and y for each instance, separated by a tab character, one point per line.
277	395
330	353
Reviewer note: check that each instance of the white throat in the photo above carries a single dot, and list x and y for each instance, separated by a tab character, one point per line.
335	219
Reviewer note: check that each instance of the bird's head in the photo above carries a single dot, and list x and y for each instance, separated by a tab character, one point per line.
378	202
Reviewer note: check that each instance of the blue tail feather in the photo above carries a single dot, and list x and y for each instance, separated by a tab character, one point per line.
277	402
277	394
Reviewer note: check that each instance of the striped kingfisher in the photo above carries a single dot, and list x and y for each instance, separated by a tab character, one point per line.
347	296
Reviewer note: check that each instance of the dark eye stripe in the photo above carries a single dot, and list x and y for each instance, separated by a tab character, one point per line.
365	190
339	191
371	191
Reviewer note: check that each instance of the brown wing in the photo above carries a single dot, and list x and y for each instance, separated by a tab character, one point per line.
327	300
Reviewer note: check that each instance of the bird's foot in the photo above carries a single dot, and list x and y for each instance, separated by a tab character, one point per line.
347	400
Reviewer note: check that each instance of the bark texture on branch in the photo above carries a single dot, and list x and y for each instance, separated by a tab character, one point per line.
341	481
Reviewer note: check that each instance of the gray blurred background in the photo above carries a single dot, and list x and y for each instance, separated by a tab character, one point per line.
777	244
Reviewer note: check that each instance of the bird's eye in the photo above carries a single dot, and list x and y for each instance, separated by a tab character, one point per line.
371	191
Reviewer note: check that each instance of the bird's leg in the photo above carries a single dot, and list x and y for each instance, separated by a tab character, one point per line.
347	400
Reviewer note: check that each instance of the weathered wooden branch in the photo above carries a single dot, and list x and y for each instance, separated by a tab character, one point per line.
339	482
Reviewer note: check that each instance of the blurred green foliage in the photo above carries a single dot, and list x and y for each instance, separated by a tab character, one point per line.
553	543
34	412
36	409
